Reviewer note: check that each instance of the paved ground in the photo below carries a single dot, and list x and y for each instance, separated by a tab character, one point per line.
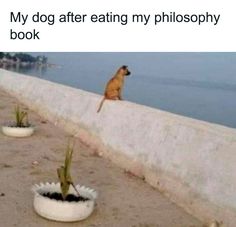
124	200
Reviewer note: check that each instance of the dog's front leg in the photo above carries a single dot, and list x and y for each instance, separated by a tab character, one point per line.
119	95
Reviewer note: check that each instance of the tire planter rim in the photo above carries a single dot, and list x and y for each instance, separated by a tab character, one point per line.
63	211
18	131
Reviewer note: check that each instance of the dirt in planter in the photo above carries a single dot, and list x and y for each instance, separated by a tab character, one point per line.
69	197
15	126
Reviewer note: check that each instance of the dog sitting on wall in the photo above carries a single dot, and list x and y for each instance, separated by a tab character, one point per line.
114	86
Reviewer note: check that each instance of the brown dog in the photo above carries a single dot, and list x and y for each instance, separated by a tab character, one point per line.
114	86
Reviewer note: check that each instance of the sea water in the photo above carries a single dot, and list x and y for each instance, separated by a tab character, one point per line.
197	85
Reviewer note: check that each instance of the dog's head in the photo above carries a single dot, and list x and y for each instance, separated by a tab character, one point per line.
124	70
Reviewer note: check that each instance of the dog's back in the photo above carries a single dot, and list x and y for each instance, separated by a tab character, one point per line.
113	86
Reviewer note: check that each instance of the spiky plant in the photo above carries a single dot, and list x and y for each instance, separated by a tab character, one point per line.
21	117
64	172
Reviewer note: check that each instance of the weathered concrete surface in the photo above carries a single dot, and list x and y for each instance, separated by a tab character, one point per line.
124	200
191	161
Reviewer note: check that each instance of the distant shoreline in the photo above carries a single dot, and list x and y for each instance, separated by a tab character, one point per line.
23	60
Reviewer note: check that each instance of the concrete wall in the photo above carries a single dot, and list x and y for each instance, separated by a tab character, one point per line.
191	161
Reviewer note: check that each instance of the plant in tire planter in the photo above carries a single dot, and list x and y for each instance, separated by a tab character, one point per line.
64	201
21	126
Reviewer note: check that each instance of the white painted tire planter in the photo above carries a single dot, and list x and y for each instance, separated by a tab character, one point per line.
17	131
63	210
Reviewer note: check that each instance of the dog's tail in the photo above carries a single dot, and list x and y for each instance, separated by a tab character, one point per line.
100	106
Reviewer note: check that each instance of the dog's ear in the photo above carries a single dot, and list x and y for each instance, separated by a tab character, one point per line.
124	67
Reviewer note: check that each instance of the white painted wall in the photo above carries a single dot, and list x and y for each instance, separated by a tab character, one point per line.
191	161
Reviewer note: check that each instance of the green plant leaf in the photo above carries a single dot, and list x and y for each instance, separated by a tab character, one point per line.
20	116
64	172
